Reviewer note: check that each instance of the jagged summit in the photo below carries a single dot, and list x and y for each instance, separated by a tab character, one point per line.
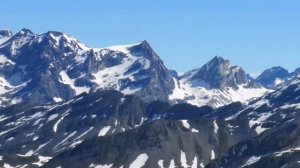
216	62
218	59
219	73
144	44
22	34
216	83
25	32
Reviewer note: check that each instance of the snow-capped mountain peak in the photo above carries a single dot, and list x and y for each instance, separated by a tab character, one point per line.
132	68
26	32
217	83
64	40
217	74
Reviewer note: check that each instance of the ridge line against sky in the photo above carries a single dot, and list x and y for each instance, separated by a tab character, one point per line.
252	34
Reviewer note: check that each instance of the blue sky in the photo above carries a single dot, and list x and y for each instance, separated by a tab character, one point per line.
254	34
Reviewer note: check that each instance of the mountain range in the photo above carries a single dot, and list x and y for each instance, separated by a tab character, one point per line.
64	104
31	64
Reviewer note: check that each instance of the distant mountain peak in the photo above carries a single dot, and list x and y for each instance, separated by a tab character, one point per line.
271	77
219	74
216	83
5	33
25	32
277	68
275	77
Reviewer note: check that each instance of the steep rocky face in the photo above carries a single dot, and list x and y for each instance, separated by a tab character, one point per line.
52	67
159	83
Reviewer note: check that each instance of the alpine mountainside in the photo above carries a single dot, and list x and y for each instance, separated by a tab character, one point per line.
275	77
264	133
32	135
217	83
105	123
54	67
